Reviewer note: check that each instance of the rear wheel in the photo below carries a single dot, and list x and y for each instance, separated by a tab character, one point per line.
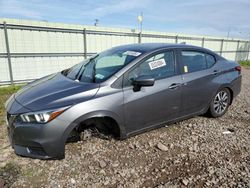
220	103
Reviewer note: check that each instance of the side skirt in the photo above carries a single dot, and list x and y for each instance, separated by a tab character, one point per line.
155	126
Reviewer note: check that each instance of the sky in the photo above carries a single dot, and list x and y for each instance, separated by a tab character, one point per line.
202	17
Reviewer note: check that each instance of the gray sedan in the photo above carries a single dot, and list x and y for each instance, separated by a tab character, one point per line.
120	92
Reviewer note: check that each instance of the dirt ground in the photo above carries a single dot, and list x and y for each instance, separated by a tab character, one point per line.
199	152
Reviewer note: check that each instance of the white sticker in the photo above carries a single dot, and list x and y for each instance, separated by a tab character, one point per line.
185	69
99	76
132	53
157	64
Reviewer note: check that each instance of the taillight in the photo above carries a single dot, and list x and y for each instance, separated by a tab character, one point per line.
238	68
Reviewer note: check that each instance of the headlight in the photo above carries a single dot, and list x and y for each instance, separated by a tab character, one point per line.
43	116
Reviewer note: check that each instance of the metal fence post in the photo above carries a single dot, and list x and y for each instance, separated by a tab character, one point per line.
221	46
8	52
248	57
202	42
139	37
85	43
176	39
237	49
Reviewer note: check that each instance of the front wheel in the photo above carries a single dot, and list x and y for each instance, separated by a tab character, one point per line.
220	103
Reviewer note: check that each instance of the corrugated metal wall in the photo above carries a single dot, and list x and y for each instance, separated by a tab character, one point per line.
40	48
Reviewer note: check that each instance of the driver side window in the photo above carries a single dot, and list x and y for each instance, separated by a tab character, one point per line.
159	66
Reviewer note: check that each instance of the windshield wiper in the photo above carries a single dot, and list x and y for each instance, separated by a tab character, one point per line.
94	72
85	66
80	72
77	74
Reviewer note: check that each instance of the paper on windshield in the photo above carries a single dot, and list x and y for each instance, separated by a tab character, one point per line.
157	64
99	76
132	53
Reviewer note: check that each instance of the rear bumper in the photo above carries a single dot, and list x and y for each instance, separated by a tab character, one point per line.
43	141
236	86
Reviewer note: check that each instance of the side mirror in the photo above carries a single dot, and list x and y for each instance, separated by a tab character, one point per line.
142	81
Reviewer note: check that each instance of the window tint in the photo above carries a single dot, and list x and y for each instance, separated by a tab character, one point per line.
193	61
210	60
159	66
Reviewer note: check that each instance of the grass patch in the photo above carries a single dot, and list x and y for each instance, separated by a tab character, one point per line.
9	89
245	63
5	93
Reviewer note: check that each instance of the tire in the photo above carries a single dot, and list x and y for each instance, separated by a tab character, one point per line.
74	136
220	103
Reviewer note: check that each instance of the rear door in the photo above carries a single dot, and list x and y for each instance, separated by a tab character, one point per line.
197	75
156	104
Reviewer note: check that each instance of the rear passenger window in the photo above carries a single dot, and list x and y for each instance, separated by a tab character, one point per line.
210	60
193	61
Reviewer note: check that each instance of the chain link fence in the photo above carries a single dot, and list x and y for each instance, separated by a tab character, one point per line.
29	50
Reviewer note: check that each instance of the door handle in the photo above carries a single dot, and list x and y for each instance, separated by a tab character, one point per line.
215	72
174	86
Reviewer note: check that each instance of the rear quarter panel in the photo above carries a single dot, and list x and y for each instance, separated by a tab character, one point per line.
228	76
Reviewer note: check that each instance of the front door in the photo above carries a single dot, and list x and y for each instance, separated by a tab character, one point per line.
155	104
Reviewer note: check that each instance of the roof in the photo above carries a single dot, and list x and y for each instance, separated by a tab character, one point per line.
146	47
149	47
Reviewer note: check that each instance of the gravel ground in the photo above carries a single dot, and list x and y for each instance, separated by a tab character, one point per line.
199	152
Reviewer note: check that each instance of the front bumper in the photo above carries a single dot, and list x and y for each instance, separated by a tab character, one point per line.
43	141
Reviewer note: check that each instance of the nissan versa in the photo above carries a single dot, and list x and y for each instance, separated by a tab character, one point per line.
121	92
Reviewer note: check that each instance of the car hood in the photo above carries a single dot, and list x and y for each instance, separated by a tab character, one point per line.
54	91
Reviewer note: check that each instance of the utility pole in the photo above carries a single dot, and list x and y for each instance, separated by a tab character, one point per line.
140	20
96	22
228	32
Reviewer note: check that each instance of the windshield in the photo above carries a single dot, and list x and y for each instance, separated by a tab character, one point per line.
101	66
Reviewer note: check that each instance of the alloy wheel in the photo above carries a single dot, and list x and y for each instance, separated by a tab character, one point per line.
221	102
